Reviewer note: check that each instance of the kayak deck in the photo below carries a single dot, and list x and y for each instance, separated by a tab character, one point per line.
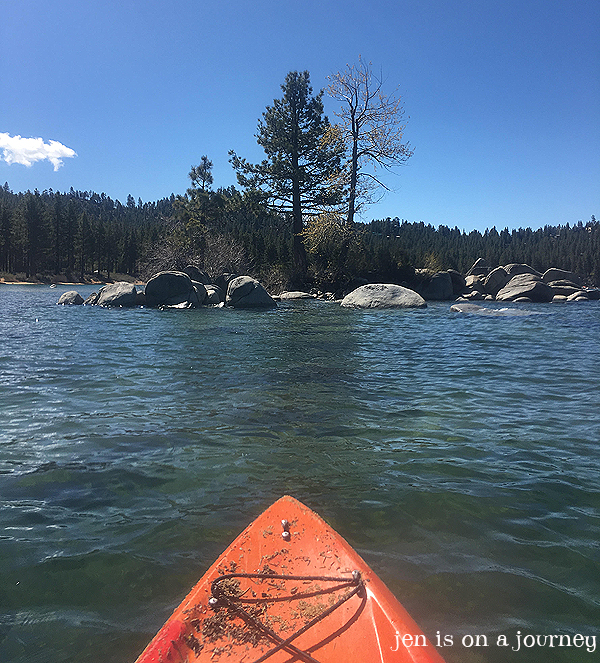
289	589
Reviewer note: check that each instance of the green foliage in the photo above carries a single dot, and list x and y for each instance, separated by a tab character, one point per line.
574	248
299	175
194	213
201	175
76	233
334	247
222	231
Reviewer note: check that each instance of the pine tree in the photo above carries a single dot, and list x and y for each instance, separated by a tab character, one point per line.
299	176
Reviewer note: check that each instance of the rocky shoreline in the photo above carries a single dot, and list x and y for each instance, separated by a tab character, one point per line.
518	282
193	288
190	288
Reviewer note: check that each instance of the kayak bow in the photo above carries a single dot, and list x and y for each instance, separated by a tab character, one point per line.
290	589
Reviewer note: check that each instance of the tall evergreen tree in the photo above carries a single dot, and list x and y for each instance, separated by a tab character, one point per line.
59	233
6	240
36	234
196	211
299	177
201	175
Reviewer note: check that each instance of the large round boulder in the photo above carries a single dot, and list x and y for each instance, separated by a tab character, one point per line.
169	289
495	281
383	295
117	294
525	287
70	298
554	274
246	292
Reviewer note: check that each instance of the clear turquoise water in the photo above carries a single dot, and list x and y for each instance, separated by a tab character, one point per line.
458	454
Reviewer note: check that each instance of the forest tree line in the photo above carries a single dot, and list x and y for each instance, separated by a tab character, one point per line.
72	235
293	221
75	234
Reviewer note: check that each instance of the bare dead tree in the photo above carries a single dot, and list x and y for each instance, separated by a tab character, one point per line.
220	253
372	125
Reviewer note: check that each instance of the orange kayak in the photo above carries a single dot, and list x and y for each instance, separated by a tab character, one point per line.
290	589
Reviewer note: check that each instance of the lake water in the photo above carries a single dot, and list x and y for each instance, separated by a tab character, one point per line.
459	454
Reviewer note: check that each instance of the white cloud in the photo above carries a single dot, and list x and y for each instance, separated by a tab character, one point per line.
27	151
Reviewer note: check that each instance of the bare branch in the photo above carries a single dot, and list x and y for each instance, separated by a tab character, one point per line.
371	124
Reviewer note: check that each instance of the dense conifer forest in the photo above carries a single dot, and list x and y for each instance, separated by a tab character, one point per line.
76	236
291	224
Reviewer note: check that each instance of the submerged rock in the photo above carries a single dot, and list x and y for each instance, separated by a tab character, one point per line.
473	309
70	298
117	294
246	292
383	295
296	294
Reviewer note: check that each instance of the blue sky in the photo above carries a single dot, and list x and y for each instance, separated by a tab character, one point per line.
503	97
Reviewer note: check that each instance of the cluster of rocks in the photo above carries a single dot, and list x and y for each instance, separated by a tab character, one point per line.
190	288
522	283
511	283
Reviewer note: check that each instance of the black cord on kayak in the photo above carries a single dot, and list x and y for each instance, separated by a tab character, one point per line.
216	590
233	602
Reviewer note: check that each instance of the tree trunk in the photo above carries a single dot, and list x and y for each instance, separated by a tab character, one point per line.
299	252
353	174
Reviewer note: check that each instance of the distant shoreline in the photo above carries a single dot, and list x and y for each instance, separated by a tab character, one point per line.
12	279
4	282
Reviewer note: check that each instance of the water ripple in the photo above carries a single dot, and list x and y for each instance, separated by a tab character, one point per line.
459	454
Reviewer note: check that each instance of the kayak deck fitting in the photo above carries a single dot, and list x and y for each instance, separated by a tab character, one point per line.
290	589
